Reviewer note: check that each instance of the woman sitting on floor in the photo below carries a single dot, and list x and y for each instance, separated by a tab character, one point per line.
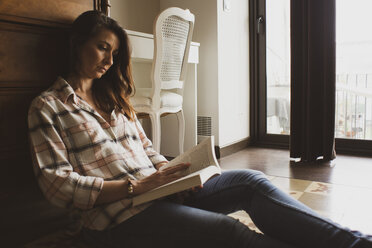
91	153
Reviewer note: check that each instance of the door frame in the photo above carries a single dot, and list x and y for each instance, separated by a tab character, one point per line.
260	137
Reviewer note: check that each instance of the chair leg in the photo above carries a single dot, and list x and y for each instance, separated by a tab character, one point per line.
156	131
181	130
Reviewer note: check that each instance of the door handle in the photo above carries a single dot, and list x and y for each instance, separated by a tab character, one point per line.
260	23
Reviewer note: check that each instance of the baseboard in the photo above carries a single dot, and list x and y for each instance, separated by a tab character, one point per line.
232	148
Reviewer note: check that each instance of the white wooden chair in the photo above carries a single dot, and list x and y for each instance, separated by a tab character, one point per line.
173	30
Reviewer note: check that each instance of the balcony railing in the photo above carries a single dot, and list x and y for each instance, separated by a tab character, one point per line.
354	106
353	117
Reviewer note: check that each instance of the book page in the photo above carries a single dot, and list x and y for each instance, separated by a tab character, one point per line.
199	157
204	165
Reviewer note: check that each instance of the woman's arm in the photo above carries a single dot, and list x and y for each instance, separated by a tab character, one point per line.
117	190
57	179
113	191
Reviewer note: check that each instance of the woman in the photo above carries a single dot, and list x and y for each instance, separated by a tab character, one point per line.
91	153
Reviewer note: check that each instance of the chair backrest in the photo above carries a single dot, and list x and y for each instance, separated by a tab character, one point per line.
173	30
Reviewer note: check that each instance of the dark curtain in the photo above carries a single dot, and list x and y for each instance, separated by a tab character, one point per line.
313	55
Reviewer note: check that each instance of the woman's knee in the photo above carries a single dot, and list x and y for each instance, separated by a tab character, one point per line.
250	177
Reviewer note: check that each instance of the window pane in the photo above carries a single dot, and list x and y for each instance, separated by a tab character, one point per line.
278	66
353	69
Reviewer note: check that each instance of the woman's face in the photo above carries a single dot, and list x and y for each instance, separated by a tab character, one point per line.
96	55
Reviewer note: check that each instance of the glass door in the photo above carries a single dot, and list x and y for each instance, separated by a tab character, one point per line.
273	71
353	69
353	120
271	81
278	66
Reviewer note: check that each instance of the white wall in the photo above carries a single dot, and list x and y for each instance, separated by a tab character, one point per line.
137	15
233	72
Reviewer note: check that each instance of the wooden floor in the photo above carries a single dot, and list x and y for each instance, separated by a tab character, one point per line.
340	190
348	170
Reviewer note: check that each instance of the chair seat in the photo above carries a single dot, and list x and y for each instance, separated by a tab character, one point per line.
167	99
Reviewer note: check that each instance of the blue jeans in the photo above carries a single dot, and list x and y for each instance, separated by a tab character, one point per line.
201	220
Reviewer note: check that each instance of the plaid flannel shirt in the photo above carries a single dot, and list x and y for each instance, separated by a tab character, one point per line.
75	150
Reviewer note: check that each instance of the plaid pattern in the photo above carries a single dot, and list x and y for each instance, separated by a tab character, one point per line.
74	150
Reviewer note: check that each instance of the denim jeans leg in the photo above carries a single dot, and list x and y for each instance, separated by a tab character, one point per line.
169	225
274	212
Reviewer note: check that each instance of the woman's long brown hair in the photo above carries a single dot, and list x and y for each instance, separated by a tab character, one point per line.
115	87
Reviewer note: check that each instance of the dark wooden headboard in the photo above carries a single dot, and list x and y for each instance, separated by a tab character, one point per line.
32	54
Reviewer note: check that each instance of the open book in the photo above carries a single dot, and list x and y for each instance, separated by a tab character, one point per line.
203	166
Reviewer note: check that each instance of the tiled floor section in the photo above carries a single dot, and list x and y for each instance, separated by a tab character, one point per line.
347	205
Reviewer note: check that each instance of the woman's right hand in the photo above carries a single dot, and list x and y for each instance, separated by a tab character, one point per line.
159	178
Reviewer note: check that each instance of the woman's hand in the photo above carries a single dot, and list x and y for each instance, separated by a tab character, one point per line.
159	178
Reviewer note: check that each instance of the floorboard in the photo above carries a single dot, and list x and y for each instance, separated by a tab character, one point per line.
348	170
